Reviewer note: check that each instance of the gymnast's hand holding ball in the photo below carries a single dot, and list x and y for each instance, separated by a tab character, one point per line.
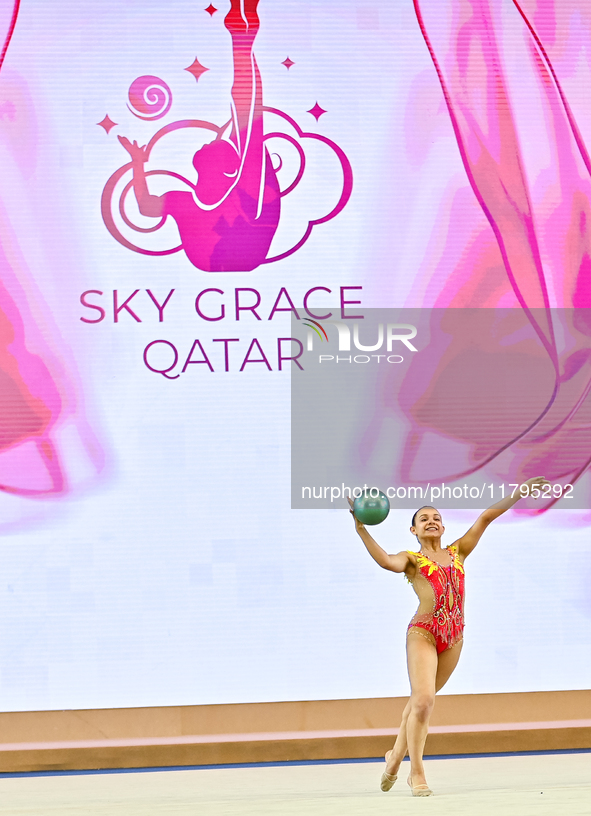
371	507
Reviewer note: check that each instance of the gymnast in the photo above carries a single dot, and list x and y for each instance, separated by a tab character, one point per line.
434	635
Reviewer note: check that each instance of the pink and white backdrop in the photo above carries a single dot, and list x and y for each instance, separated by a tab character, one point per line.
397	154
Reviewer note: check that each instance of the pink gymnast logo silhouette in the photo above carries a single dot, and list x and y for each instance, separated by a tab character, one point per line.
227	219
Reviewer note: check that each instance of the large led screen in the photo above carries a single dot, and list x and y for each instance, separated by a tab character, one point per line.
183	185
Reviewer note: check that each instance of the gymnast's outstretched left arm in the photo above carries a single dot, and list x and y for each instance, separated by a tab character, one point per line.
470	539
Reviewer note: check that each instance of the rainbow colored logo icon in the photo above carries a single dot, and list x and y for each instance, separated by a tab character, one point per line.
313	324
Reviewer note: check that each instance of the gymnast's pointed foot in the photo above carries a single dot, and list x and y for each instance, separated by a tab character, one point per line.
388	779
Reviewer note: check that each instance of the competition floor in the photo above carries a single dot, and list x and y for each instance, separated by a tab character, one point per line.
521	785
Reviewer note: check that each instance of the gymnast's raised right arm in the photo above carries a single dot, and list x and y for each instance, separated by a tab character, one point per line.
395	563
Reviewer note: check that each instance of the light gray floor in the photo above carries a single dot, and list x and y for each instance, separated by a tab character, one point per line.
520	786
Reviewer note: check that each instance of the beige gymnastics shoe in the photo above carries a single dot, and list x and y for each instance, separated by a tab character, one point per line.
387	779
419	790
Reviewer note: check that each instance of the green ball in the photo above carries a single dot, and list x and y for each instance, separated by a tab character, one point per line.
371	509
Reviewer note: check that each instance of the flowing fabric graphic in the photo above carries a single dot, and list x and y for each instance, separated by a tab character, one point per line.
38	393
522	239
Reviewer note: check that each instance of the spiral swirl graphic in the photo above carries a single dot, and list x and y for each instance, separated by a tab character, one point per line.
150	98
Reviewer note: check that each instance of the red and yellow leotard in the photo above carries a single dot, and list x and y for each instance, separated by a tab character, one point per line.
441	595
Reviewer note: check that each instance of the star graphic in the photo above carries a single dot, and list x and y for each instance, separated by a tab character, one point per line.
196	69
107	123
316	111
211	10
288	63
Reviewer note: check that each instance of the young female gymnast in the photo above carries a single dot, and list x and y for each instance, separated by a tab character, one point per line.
434	636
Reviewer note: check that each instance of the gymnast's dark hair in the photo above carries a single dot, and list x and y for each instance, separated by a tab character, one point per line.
414	518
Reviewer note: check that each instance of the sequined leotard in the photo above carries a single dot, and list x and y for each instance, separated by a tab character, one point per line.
441	610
